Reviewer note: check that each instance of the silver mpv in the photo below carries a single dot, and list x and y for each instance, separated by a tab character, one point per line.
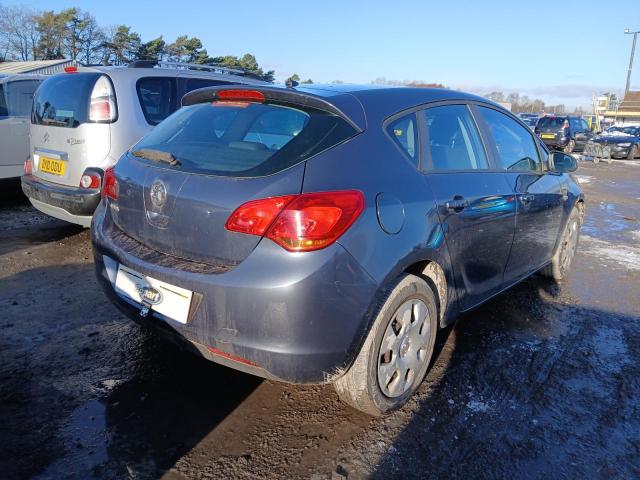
83	120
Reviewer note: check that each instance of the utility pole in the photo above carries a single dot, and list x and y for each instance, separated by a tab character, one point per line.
633	50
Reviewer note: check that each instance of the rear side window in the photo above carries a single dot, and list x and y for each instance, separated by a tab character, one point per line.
196	83
3	102
515	146
404	132
240	139
157	98
63	100
18	98
454	142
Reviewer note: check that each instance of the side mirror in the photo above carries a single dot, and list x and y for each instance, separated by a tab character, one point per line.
563	163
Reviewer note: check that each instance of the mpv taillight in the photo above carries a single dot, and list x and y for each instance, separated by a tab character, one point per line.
102	105
299	223
28	170
109	185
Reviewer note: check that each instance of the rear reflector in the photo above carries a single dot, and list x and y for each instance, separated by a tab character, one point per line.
109	185
229	356
241	95
299	223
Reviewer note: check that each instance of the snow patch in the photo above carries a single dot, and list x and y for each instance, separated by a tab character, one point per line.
583	178
625	255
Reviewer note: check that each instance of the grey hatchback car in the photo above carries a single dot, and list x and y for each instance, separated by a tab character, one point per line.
325	234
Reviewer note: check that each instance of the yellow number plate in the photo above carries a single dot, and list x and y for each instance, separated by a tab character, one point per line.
548	135
54	167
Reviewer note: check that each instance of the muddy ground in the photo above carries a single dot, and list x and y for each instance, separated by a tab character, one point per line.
542	382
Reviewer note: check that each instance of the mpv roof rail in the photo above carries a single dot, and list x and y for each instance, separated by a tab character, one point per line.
200	67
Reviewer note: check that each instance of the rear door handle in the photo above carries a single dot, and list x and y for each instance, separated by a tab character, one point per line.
565	192
457	204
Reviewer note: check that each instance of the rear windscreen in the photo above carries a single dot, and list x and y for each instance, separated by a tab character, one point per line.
551	122
63	100
242	139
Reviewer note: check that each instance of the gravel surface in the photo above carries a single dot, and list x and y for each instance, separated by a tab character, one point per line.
541	382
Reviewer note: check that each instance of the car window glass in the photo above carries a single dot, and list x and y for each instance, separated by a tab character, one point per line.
196	83
551	122
454	142
19	97
585	125
515	146
3	102
575	125
276	128
156	98
404	133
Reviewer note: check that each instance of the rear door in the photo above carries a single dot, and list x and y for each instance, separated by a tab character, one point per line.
476	204
16	98
538	191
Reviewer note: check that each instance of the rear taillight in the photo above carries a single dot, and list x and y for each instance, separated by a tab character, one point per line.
109	185
90	180
256	216
102	106
27	166
300	223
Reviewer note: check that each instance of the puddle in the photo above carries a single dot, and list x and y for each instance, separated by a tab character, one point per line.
85	440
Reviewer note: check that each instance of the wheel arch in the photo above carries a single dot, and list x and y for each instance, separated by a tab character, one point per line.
432	273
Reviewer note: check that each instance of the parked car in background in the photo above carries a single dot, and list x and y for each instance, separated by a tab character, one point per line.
623	142
531	120
83	120
564	132
325	234
16	98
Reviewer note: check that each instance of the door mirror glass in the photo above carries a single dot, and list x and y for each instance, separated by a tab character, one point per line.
563	163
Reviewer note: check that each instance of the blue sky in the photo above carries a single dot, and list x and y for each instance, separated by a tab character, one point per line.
560	51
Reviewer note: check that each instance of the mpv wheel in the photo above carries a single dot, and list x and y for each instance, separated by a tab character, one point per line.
563	257
633	152
397	351
570	146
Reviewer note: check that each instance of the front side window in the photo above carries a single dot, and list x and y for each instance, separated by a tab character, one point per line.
403	131
156	95
515	147
454	141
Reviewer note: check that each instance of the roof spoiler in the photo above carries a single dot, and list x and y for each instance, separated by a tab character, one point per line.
288	97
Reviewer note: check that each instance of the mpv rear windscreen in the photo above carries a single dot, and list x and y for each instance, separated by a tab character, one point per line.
239	139
63	100
551	122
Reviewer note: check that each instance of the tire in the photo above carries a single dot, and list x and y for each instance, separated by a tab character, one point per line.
570	146
410	339
633	152
566	249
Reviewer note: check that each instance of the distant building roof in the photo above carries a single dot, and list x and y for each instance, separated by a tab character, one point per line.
630	104
45	67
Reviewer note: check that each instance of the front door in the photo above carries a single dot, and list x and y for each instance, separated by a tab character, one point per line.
476	204
538	192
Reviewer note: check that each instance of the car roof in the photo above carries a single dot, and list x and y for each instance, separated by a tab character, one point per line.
384	101
21	76
138	72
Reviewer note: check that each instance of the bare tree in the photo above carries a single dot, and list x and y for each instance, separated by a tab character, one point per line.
18	33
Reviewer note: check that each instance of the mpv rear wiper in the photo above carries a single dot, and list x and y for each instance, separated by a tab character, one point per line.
156	156
51	121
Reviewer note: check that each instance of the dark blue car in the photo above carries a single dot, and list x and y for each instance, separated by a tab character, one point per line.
325	234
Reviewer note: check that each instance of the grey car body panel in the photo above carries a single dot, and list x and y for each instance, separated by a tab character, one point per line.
303	316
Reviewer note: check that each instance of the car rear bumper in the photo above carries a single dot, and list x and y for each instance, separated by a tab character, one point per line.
73	205
293	317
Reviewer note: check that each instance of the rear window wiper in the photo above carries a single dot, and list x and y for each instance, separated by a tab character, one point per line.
51	121
156	156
